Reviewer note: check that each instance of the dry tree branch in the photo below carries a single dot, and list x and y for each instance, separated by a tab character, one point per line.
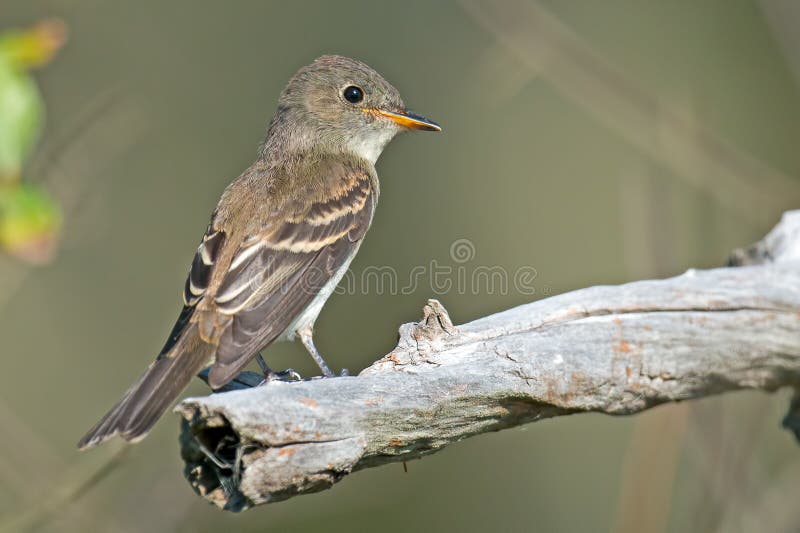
612	349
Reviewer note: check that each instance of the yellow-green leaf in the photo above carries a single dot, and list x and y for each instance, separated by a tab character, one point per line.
21	112
29	222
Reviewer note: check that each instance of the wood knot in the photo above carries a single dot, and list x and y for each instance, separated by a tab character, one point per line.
426	336
434	324
419	342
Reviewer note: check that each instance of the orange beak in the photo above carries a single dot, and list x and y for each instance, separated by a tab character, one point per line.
407	119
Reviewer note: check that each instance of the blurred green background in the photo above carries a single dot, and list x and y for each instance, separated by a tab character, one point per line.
598	142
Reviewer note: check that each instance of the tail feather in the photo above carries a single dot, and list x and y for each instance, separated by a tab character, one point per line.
144	403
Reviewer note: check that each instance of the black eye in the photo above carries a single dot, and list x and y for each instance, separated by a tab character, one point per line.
353	94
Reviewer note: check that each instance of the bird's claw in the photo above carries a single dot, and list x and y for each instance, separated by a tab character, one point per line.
288	375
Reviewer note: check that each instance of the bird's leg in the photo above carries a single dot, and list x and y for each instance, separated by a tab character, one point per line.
306	337
289	374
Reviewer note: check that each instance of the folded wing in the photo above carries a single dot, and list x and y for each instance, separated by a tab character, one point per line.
275	274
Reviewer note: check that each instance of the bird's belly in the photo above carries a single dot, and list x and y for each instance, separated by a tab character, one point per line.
309	315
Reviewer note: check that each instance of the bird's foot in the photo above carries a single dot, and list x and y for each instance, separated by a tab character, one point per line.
306	337
288	375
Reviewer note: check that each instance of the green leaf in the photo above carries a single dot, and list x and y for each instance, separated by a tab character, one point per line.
21	113
29	222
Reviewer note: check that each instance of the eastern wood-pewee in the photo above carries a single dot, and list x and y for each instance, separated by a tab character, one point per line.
280	239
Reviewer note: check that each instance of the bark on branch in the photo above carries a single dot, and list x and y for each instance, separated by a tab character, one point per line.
615	350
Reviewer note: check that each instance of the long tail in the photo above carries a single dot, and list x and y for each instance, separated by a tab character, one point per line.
144	403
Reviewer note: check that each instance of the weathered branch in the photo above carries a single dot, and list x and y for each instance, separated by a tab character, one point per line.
615	350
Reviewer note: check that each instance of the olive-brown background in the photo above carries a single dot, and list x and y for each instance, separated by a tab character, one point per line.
154	106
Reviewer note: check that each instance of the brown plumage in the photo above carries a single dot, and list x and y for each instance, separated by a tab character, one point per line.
281	237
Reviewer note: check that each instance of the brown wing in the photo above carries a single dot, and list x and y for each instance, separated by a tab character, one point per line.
196	282
275	274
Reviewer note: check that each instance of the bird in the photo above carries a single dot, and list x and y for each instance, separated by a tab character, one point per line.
279	240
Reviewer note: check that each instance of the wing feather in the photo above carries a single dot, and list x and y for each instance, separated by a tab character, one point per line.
272	280
290	278
196	282
276	270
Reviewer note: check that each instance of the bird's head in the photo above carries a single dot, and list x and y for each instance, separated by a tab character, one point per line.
346	105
